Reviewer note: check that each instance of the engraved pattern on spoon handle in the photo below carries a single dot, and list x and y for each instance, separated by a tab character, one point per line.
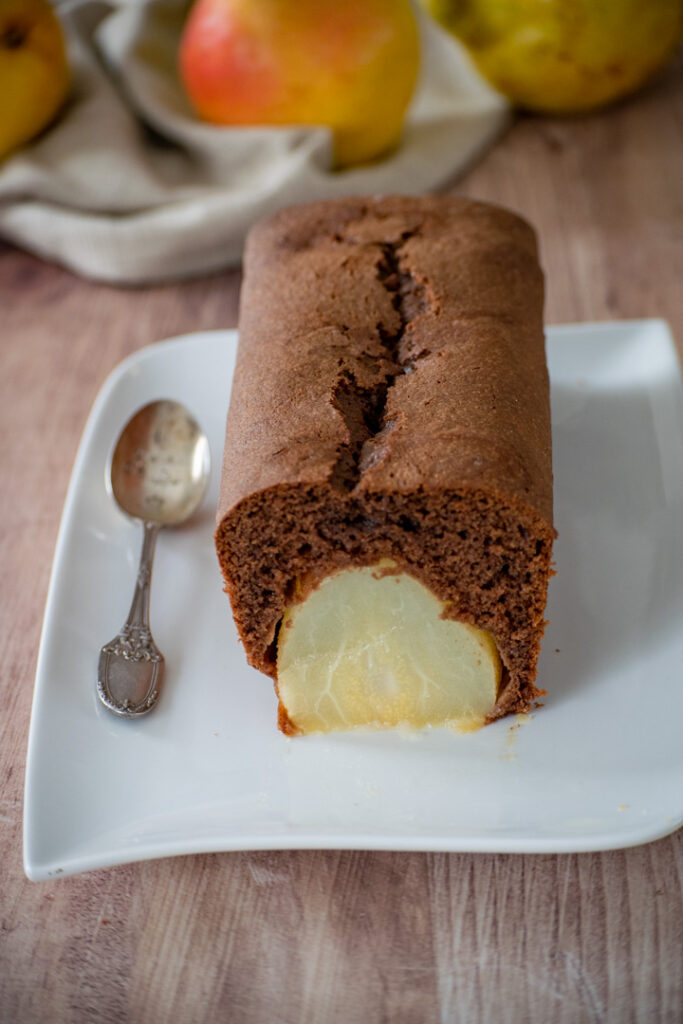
137	622
126	655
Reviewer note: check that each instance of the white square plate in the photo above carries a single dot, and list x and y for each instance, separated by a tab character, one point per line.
600	766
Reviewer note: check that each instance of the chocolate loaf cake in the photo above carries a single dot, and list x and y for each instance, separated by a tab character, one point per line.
390	424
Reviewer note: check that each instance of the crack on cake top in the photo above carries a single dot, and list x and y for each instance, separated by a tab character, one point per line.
361	409
364	409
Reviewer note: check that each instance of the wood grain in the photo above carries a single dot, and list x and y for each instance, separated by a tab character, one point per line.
329	937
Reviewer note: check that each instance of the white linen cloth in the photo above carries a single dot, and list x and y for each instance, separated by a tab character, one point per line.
128	186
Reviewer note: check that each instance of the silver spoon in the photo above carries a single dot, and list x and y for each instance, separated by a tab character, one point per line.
159	474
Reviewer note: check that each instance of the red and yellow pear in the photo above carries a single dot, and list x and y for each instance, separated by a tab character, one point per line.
350	66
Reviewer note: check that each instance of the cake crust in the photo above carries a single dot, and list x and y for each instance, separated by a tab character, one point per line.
390	400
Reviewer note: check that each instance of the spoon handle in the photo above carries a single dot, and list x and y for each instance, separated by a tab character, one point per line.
131	668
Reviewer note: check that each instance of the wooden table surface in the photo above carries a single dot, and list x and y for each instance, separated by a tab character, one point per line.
318	937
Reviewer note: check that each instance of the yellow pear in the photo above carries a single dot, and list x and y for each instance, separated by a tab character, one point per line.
369	647
564	56
34	75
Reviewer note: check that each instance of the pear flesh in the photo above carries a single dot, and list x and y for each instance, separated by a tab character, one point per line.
370	647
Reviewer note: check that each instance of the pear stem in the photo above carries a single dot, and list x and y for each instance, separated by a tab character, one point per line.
13	37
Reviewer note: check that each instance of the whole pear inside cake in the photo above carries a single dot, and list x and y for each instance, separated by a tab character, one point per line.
370	647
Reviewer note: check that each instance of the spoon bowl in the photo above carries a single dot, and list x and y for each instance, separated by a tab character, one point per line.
159	474
160	466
